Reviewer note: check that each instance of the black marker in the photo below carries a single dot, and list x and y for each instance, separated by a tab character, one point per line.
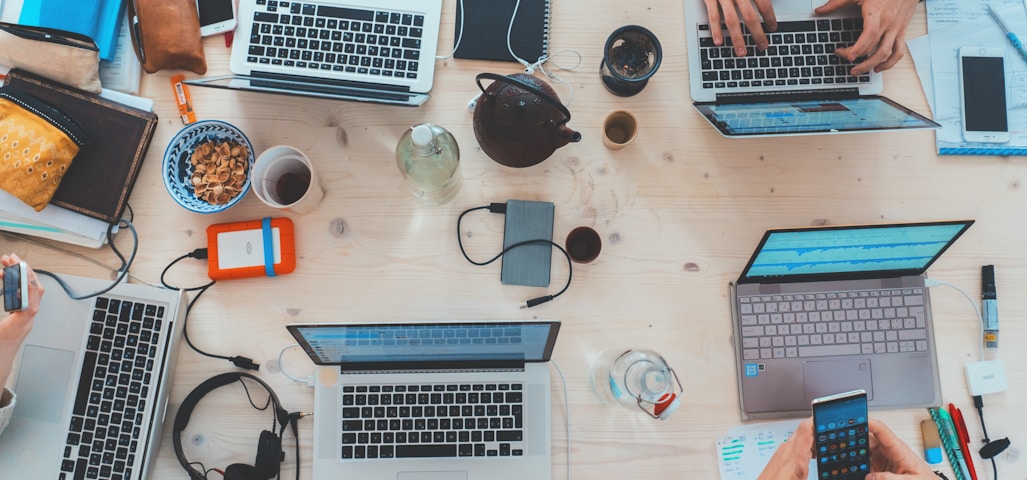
989	302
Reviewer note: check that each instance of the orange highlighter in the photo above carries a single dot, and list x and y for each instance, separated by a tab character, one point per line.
185	102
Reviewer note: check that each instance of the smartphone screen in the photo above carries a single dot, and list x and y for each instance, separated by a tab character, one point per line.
841	439
984	94
216	16
14	288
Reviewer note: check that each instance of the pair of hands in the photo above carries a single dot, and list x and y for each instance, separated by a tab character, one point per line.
890	457
17	325
882	42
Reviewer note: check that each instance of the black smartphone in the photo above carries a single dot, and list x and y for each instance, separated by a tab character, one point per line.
982	88
841	441
16	287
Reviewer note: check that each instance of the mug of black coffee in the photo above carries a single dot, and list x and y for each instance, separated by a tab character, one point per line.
284	178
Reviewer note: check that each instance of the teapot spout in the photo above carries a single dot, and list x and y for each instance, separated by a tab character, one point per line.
568	135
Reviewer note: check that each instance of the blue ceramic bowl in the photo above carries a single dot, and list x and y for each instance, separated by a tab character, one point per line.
178	169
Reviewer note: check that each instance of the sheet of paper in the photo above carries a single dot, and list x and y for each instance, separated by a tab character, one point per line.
985	32
745	451
52	222
123	73
945	13
920	52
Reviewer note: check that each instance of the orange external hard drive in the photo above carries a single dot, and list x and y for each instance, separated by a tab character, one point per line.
256	248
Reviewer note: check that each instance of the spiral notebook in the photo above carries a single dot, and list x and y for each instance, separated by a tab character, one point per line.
485	26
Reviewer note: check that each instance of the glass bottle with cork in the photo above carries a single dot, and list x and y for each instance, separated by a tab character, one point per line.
428	158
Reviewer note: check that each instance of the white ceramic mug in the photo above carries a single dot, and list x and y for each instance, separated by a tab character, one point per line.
284	178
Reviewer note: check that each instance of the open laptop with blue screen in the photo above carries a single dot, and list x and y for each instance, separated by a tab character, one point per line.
823	310
798	86
431	401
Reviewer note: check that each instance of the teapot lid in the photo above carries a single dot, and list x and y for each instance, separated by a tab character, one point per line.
528	87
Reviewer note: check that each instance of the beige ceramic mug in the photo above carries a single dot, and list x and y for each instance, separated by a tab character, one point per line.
619	129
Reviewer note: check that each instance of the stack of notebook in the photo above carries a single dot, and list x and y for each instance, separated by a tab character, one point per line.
94	193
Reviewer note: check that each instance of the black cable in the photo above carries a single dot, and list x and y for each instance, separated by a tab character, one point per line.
501	208
122	270
990	449
201	254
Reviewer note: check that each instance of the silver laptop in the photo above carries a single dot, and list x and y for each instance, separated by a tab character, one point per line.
822	310
798	86
438	401
379	51
92	382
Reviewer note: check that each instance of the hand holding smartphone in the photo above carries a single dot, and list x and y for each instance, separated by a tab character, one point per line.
982	88
16	287
216	16
841	440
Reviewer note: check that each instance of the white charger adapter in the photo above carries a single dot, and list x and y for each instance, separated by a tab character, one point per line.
986	377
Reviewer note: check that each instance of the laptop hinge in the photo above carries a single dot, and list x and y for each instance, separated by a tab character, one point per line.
788	96
313	83
417	367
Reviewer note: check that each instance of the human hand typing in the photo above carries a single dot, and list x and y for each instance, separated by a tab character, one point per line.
733	13
883	41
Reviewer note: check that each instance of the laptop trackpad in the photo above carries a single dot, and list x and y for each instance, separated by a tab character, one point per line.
828	377
431	476
43	380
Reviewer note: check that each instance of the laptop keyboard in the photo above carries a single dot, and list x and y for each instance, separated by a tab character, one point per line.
450	420
839	323
800	54
113	390
341	39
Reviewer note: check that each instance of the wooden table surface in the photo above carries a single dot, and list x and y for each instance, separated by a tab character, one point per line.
679	211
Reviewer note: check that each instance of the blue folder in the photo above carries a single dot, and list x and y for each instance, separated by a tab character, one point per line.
97	19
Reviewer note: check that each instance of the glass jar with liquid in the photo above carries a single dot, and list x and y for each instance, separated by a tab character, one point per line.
429	159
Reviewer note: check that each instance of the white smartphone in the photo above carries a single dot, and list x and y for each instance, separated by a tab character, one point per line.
16	287
982	89
841	441
216	16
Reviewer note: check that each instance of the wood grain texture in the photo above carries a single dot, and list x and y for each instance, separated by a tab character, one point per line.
679	211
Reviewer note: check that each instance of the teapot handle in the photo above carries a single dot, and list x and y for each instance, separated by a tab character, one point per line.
531	88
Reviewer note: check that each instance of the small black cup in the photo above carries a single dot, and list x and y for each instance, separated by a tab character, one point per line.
631	56
583	245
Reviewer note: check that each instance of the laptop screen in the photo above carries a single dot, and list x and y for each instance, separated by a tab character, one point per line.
811	116
333	344
867	251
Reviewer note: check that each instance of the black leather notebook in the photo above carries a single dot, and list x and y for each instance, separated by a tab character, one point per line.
487	21
101	176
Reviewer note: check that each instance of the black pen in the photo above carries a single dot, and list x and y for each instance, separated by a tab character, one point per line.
989	303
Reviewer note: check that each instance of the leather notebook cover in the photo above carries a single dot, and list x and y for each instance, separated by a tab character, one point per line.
486	24
101	176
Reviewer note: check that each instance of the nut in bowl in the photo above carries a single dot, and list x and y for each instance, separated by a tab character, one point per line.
207	166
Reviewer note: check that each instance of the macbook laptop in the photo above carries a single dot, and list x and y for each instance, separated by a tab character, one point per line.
798	86
365	50
823	310
431	401
92	382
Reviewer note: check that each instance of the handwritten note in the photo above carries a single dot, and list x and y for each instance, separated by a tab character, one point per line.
745	451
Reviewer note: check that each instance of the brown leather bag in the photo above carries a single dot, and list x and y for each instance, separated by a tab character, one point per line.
166	34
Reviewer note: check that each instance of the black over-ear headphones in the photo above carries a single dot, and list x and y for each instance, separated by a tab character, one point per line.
269	448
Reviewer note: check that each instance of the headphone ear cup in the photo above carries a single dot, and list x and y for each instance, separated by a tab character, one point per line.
269	455
242	471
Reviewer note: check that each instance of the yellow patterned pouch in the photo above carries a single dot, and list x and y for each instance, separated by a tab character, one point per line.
37	145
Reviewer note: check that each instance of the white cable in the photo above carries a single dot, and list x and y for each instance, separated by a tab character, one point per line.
459	35
281	366
567	415
980	345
